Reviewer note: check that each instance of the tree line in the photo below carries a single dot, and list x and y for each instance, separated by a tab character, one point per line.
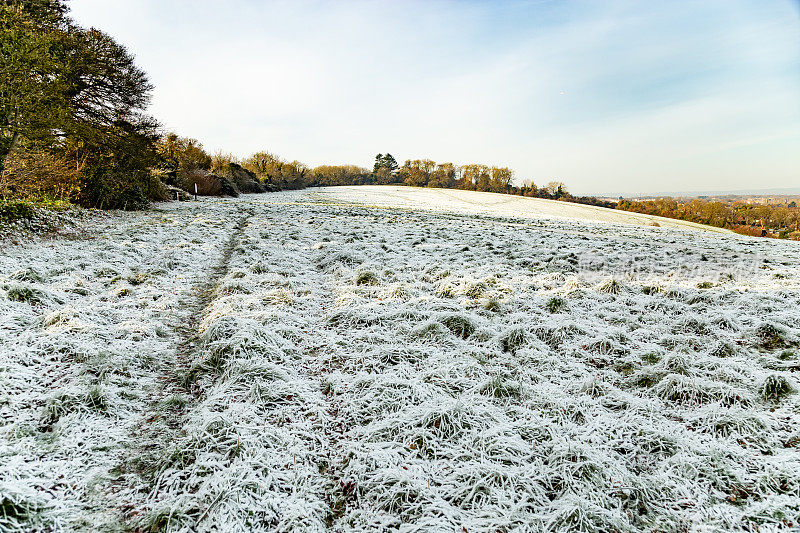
277	173
485	178
765	220
429	173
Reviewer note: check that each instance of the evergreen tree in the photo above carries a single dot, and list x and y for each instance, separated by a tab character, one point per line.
390	163
384	161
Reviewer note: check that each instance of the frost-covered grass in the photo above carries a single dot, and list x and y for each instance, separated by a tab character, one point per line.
88	326
23	220
492	204
356	368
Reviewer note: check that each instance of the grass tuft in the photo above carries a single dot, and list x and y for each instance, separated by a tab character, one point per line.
769	337
399	293
611	286
501	388
137	279
366	278
161	520
512	339
25	294
12	509
492	305
722	349
458	325
555	304
651	290
475	290
775	388
337	258
61	404
445	290
651	358
646	378
27	274
175	402
688	391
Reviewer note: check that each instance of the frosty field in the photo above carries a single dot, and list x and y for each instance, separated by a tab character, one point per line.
394	359
487	203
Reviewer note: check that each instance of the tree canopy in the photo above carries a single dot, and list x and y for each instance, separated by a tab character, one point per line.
77	92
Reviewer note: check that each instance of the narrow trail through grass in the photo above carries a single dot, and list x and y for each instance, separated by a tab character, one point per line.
82	346
168	407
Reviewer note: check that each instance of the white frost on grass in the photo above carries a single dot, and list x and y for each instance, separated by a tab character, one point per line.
362	369
493	204
87	325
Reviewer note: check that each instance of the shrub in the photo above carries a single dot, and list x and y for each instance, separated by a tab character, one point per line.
208	184
220	161
39	174
244	180
14	210
127	190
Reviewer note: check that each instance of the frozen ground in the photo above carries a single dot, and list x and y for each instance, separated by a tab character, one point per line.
486	203
333	360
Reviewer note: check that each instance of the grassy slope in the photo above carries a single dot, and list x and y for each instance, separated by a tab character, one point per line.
359	368
496	204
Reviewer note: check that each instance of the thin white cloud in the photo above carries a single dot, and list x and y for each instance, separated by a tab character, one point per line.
655	96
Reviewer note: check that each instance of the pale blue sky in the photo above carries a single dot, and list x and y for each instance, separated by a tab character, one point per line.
608	96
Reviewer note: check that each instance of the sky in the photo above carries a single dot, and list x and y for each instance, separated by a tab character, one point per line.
607	96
